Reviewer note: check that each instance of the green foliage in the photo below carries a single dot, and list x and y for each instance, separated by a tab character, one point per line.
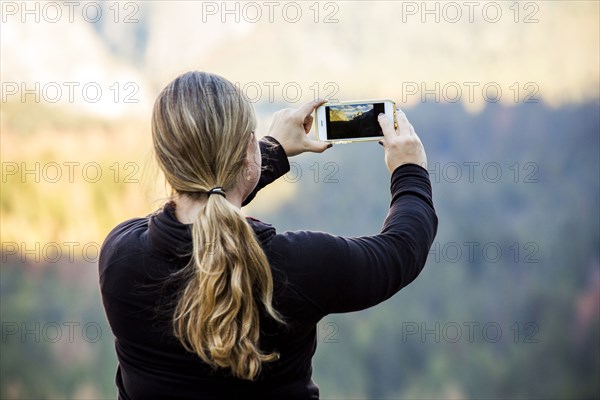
542	214
541	291
56	342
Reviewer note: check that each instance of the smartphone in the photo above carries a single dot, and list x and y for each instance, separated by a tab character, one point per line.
353	121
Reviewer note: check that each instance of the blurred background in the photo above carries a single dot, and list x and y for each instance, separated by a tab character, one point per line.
504	95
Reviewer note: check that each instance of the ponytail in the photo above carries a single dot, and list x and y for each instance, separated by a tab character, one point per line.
201	128
217	314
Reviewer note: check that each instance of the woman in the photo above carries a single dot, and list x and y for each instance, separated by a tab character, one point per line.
207	303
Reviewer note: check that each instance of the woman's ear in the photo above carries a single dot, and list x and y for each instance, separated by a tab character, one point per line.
251	170
253	162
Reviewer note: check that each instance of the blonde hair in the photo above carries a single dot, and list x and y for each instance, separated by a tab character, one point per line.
201	128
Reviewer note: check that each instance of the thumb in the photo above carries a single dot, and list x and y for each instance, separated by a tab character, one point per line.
386	127
317	146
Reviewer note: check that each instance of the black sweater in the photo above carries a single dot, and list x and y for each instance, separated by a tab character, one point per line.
314	274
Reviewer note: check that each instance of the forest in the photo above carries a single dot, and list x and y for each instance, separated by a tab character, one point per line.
506	307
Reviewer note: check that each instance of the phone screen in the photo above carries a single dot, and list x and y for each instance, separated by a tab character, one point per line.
351	121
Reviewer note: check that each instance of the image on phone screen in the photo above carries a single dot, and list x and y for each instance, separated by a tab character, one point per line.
350	121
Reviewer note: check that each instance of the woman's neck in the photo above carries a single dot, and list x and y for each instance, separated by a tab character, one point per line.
187	209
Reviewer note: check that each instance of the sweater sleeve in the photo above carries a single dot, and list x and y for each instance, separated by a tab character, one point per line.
338	274
274	164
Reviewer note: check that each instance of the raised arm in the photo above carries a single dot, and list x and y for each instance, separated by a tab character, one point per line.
338	274
287	137
274	164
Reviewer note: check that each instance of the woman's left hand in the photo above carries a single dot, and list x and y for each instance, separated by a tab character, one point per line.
290	127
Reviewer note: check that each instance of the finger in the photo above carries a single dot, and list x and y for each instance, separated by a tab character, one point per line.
317	146
309	107
386	126
308	123
404	127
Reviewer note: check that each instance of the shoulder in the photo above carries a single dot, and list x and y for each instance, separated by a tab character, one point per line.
301	241
123	241
290	250
305	252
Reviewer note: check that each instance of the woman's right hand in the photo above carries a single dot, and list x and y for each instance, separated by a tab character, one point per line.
402	145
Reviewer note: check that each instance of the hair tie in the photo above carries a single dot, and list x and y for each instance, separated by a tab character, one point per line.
217	190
